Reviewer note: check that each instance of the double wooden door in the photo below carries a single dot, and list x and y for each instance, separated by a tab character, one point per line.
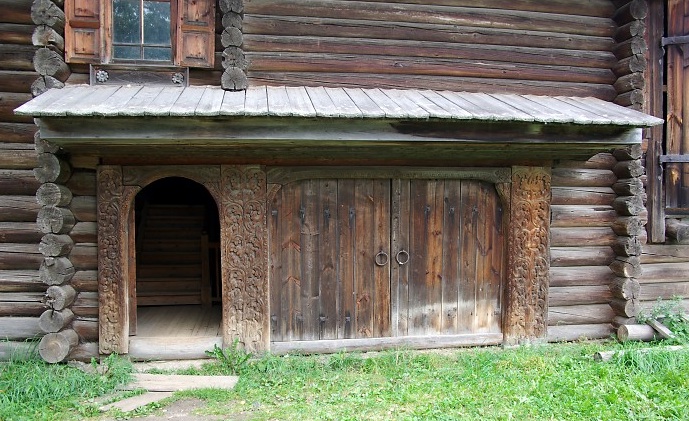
367	258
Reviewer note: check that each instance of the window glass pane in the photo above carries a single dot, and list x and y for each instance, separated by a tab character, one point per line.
157	53
156	23
127	52
126	21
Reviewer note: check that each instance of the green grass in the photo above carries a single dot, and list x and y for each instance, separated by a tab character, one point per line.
551	382
31	389
548	382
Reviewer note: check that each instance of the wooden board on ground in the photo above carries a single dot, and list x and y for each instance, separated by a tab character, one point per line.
175	383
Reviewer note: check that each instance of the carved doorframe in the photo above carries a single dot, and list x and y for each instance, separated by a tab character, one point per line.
240	195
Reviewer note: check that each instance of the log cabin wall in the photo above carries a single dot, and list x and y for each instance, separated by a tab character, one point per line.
21	291
522	46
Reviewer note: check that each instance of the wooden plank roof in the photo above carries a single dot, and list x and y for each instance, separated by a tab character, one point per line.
319	102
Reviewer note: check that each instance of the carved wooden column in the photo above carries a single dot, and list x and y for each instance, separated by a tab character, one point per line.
114	201
526	293
244	245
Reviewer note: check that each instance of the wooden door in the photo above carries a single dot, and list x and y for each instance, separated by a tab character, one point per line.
368	258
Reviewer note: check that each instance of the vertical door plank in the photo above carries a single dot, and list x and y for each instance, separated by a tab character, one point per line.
381	293
275	267
484	230
364	257
309	214
400	242
434	256
346	220
329	250
467	284
418	240
451	255
498	258
291	252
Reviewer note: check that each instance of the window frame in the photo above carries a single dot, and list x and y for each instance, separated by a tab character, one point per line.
88	33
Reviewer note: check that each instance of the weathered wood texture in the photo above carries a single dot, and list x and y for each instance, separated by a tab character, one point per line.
437	45
378	258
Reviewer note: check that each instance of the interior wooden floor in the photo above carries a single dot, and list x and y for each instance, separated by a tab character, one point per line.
179	321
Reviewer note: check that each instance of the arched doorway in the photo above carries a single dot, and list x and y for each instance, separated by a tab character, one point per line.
177	292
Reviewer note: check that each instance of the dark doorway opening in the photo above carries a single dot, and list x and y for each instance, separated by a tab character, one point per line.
178	287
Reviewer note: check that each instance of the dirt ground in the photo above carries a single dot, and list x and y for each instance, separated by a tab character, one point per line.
184	410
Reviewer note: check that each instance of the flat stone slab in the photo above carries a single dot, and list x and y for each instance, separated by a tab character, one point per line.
174	383
130	404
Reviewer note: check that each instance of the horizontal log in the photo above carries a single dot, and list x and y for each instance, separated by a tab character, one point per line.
664	253
230	20
86	305
514	20
84	352
408	47
46	36
383	65
677	231
625	288
60	297
84	208
82	183
8	102
47	62
52	169
629	205
580	177
582	196
56	270
629	187
582	236
32	308
18	259
234	6
84	257
17	57
16	11
18	350
234	79
630	82
580	314
664	272
631	47
629	226
629	169
487	85
43	146
234	57
17	159
629	65
20	280
628	153
626	266
52	321
51	194
379	344
87	329
636	333
17	132
45	12
580	275
563	216
17	81
20	232
231	37
54	245
634	28
625	308
85	281
581	294
632	99
579	332
664	291
55	347
18	209
631	11
43	83
19	328
581	256
55	220
627	246
84	232
89	162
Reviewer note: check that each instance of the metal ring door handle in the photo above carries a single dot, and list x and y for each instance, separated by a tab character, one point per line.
402	257
382	258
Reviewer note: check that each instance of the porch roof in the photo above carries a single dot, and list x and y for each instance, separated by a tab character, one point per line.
335	103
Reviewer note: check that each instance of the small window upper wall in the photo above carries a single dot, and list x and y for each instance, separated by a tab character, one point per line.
161	32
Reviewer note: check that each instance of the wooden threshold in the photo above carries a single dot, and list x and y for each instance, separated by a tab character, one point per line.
171	348
379	344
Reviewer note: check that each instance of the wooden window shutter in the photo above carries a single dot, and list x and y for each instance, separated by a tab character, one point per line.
82	31
195	33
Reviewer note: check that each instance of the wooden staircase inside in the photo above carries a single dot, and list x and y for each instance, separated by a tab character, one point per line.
172	256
